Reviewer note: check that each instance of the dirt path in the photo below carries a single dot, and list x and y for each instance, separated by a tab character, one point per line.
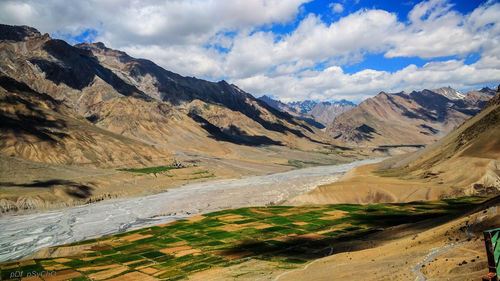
438	251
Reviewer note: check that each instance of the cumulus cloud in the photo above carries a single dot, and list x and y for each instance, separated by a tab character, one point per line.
333	84
149	22
234	40
336	7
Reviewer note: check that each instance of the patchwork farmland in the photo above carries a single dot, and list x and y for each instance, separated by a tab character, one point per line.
284	237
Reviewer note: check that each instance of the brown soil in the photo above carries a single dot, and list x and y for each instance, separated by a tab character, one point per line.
133	276
361	185
117	269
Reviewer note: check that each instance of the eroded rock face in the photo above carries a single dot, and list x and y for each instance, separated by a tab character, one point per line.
28	203
7	206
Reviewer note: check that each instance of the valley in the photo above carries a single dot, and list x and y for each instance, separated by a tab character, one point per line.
115	168
22	235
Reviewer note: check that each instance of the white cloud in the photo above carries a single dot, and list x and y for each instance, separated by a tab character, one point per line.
152	22
435	31
18	12
333	83
175	34
336	7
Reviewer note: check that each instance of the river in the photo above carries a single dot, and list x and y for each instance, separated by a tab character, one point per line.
22	235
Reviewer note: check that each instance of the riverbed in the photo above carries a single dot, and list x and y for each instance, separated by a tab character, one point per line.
22	235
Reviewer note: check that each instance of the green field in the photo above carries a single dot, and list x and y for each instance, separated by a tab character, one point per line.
285	236
150	170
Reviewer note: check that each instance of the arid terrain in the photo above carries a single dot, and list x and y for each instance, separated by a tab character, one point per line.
283	243
115	168
419	117
79	121
433	250
465	162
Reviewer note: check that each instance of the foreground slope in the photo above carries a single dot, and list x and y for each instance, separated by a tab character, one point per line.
433	249
465	162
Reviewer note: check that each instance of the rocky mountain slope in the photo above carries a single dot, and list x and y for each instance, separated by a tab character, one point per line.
37	127
419	117
473	147
465	162
325	112
302	106
71	116
322	112
281	106
139	100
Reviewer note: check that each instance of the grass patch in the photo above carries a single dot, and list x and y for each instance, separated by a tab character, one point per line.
201	172
150	170
302	164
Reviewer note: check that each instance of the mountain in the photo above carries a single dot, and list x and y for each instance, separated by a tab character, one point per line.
473	147
322	112
303	106
465	162
78	120
139	100
325	112
278	105
293	111
35	126
449	93
415	118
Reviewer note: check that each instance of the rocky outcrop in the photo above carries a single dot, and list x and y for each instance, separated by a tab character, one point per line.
16	33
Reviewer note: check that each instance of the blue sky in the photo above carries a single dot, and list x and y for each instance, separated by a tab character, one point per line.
374	61
291	49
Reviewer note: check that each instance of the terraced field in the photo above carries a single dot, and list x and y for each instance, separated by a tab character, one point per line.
286	237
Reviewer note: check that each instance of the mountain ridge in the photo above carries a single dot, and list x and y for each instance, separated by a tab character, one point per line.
323	112
415	118
94	80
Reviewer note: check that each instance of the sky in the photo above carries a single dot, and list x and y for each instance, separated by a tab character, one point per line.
290	49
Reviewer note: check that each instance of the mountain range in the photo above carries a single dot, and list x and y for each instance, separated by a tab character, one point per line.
72	117
463	163
390	120
415	118
322	112
126	99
